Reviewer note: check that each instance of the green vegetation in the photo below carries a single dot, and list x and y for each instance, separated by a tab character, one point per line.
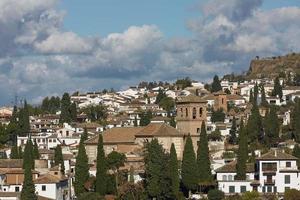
58	158
242	154
101	175
218	116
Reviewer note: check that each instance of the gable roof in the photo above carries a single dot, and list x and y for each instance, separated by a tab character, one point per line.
158	129
231	168
190	99
276	155
48	178
117	135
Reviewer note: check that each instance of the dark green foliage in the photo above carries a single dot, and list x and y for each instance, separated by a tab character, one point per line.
271	127
14	154
96	113
277	91
251	98
101	174
183	83
36	154
111	184
242	153
254	126
24	119
28	191
28	155
58	158
215	195
167	103
73	112
84	135
218	116
215	135
227	91
263	97
255	94
216	84
160	96
291	194
90	196
296	153
81	170
157	180
232	134
189	166
135	122
65	115
130	191
174	175
4	137
173	122
114	161
51	105
296	120
145	118
20	152
203	160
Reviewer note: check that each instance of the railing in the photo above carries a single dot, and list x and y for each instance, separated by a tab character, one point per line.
269	182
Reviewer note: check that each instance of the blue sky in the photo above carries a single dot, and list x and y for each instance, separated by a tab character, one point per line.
117	15
56	46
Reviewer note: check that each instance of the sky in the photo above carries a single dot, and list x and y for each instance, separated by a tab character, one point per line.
56	46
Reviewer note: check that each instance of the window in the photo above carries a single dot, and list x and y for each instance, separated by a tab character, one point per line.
200	112
194	113
50	140
231	189
269	188
288	164
17	189
275	189
186	112
43	187
54	140
243	189
181	112
224	178
222	101
230	178
287	179
67	133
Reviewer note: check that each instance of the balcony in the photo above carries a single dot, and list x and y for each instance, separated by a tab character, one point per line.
269	182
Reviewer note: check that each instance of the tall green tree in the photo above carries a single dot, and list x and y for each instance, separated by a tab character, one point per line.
272	127
73	112
145	118
157	178
161	95
14	153
173	122
28	155
242	154
251	98
218	116
36	154
84	135
114	161
81	170
232	133
277	91
65	115
189	166
101	174
255	94
216	84
295	120
20	152
28	190
296	153
203	161
174	175
58	158
263	97
255	126
4	137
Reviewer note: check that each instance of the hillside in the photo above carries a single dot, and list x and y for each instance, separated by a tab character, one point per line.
271	67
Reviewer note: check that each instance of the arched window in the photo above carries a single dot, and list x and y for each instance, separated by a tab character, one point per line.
194	113
186	112
181	112
230	178
224	178
222	100
200	112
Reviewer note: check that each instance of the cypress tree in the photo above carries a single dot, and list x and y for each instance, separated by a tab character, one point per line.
73	112
36	154
242	154
173	122
251	98
26	123
81	170
216	84
84	135
135	123
271	126
28	190
28	155
255	94
58	158
295	120
20	152
277	91
296	153
255	126
65	115
174	171
232	133
14	154
263	97
203	161
101	174
189	166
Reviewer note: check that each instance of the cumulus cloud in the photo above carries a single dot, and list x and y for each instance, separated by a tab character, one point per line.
38	57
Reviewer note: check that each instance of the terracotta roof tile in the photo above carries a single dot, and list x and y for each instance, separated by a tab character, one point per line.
231	167
11	163
191	99
277	155
159	129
